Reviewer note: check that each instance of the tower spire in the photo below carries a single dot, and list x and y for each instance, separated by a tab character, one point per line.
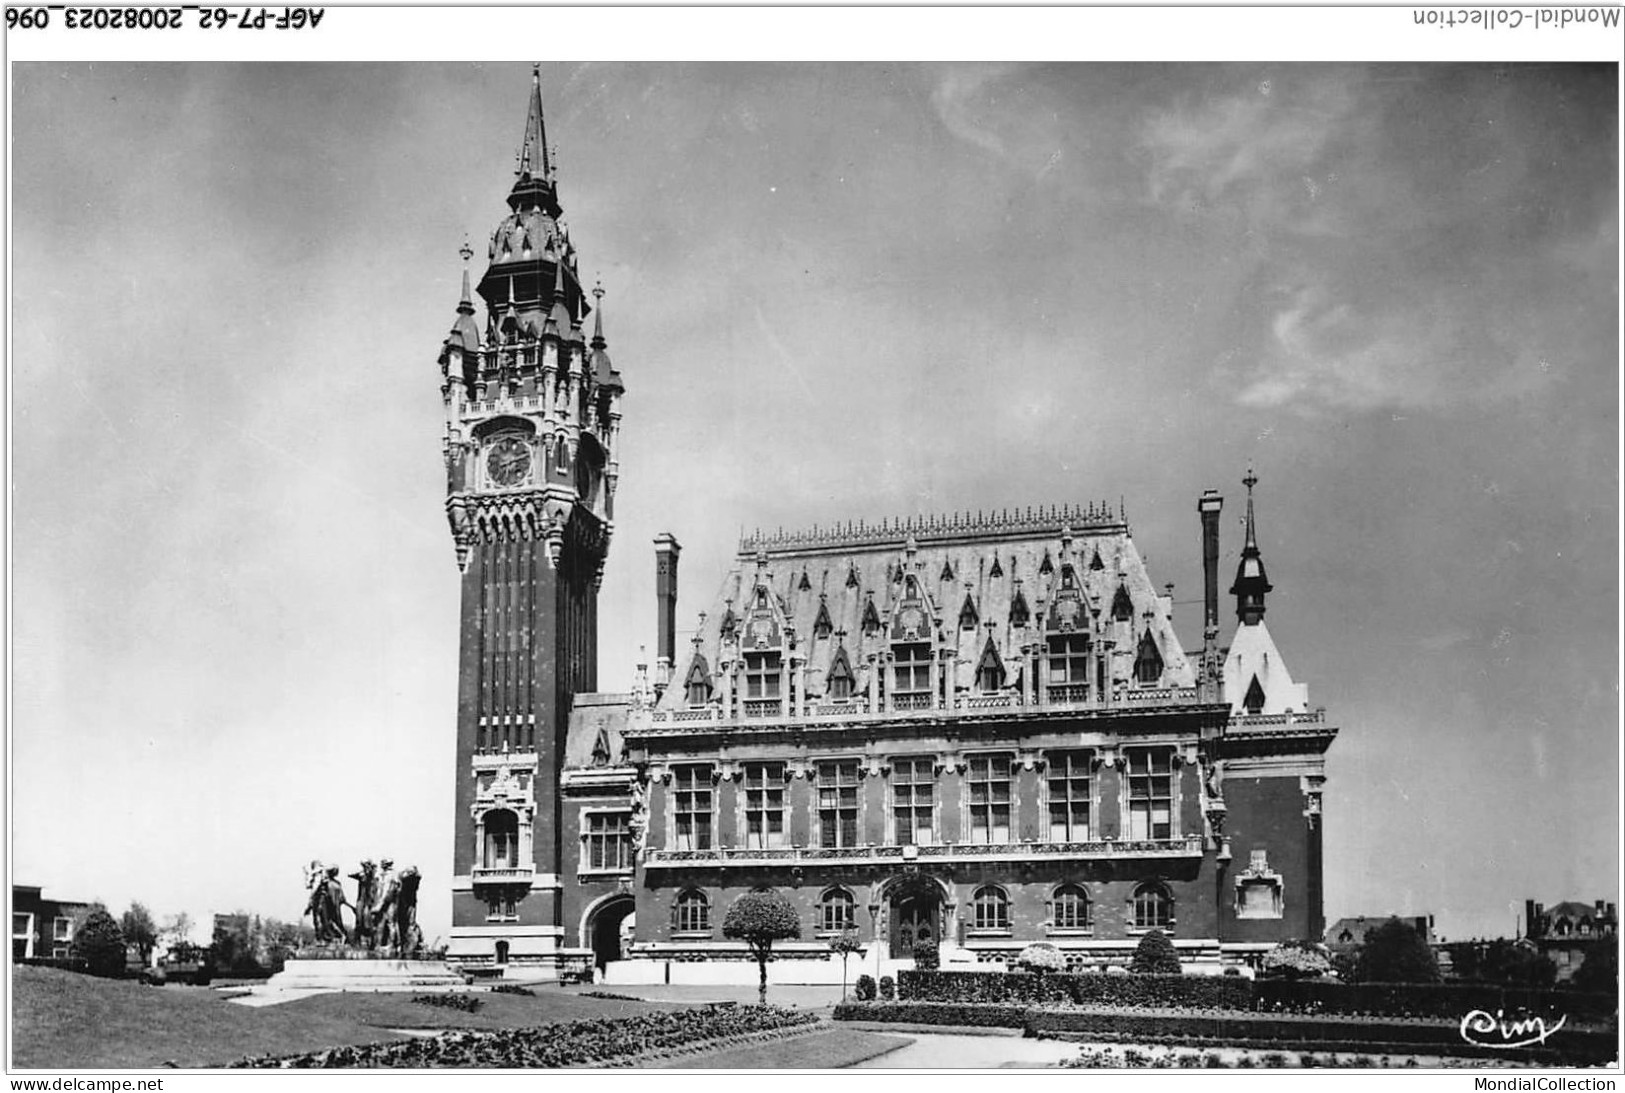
1251	582
533	154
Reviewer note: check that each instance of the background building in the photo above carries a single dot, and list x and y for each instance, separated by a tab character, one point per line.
1567	932
41	928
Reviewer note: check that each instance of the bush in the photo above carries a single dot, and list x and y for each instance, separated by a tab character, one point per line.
577	1044
513	988
1155	955
1041	957
1296	960
934	1013
888	988
926	956
1600	972
865	988
465	1002
100	944
1396	952
1444	1001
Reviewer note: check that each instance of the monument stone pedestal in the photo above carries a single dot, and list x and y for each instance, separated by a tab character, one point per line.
329	970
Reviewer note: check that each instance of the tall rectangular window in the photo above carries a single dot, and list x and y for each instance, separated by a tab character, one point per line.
609	841
764	805
1069	660
1150	793
763	674
691	806
838	803
911	676
62	929
989	785
912	784
1069	795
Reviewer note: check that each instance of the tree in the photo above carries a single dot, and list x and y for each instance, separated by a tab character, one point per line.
1600	972
759	919
1395	952
844	946
1517	962
177	928
100	944
140	930
1155	955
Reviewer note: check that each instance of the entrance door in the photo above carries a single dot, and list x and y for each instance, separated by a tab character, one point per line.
606	929
914	919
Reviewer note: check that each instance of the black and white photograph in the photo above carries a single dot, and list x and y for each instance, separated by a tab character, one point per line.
738	560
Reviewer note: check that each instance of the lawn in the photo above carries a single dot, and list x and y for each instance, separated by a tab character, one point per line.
70	1021
64	1020
826	1049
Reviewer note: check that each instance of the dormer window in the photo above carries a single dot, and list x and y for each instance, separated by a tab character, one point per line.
968	617
839	682
763	674
871	618
822	626
1122	605
911	675
989	670
1069	662
1254	701
697	684
1147	660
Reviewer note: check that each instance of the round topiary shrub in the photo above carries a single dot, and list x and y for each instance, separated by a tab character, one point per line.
1155	955
100	944
888	988
865	988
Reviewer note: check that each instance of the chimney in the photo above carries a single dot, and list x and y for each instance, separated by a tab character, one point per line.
666	551
1209	505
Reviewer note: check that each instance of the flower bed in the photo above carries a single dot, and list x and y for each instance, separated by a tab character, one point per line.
977	1014
577	1044
1221	992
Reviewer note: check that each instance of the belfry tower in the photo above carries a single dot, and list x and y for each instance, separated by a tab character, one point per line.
532	415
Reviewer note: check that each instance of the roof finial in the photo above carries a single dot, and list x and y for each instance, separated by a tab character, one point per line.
598	315
467	302
1251	581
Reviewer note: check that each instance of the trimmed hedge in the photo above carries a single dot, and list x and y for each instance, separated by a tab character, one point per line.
1443	1000
1570	1046
1447	1001
934	1013
1206	991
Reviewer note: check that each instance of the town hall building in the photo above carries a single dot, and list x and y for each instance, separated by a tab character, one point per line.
977	731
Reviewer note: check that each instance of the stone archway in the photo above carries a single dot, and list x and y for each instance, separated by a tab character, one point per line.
604	928
917	909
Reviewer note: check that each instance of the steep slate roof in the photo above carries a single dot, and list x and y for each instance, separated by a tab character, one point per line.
881	559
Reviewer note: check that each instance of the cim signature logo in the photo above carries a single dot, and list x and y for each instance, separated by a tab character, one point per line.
1480	1027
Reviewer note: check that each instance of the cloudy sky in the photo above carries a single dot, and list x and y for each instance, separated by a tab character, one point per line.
835	291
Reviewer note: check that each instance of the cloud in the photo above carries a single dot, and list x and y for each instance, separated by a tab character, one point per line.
1403	239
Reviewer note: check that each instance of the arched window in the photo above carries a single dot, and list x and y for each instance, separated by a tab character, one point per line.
691	913
991	908
1153	907
835	910
1069	908
501	839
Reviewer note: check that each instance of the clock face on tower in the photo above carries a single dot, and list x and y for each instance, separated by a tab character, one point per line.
508	461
